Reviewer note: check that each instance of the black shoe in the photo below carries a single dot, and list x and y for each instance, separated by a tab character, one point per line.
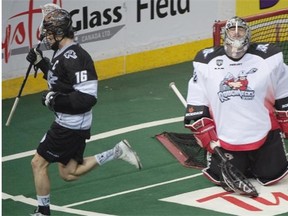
41	211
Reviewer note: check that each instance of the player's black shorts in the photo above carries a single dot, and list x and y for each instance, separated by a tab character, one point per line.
267	164
61	144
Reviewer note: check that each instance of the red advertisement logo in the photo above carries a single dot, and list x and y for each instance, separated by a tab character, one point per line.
18	33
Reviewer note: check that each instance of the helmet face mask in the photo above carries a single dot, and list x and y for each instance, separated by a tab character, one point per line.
56	25
47	8
237	37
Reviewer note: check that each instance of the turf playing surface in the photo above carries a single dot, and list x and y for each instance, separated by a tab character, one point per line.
144	106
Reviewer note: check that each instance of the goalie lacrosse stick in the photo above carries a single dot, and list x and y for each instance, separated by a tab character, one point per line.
234	180
20	91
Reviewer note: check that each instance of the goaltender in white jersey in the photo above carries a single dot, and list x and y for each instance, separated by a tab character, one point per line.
238	97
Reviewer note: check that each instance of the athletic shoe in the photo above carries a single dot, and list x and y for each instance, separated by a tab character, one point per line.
128	154
38	213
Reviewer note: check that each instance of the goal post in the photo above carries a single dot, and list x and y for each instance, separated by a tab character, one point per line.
269	27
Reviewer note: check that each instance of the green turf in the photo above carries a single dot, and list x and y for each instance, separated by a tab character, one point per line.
123	101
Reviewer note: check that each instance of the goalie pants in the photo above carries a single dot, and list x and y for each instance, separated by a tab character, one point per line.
268	164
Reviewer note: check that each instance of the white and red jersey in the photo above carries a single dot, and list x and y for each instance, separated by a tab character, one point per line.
240	94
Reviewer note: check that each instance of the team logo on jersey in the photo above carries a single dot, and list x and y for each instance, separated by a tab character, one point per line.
70	54
238	86
207	51
219	62
51	79
262	47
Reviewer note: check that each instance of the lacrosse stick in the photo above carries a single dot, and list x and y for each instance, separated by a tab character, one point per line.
20	91
233	178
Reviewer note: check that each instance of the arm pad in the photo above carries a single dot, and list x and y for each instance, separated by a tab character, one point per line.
204	132
193	113
282	118
74	103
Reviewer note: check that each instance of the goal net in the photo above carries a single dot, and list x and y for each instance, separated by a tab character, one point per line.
269	27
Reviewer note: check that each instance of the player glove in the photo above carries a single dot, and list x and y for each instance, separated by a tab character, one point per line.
282	118
34	56
204	133
48	99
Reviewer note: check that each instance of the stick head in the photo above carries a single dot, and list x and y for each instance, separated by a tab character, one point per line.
235	181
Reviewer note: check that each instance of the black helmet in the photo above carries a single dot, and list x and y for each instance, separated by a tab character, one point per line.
59	23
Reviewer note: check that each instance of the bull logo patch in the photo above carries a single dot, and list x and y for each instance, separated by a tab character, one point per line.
238	86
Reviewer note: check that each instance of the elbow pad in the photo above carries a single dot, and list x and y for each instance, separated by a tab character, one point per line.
193	113
74	103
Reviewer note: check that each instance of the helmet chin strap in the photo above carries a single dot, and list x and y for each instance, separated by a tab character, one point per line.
55	46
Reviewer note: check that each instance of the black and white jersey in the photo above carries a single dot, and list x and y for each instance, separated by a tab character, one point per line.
240	94
72	73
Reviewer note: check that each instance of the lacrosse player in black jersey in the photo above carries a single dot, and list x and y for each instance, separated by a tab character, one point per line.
238	100
72	82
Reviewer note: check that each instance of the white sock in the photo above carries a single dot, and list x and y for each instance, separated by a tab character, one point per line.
108	155
43	200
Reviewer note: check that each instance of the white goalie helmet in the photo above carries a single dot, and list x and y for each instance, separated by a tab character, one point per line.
237	35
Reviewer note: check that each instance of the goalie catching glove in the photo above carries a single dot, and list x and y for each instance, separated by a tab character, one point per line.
282	118
205	134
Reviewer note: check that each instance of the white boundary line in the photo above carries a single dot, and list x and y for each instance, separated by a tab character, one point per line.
134	190
104	135
66	208
30	201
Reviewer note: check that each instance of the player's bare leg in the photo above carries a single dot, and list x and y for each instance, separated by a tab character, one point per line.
40	172
42	183
73	170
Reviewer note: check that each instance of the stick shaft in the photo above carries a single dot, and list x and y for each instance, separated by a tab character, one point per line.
20	90
25	80
12	111
178	94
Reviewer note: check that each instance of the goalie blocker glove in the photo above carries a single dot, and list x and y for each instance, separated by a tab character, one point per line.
282	118
205	134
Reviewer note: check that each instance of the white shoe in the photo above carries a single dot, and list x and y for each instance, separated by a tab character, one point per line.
37	214
128	154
